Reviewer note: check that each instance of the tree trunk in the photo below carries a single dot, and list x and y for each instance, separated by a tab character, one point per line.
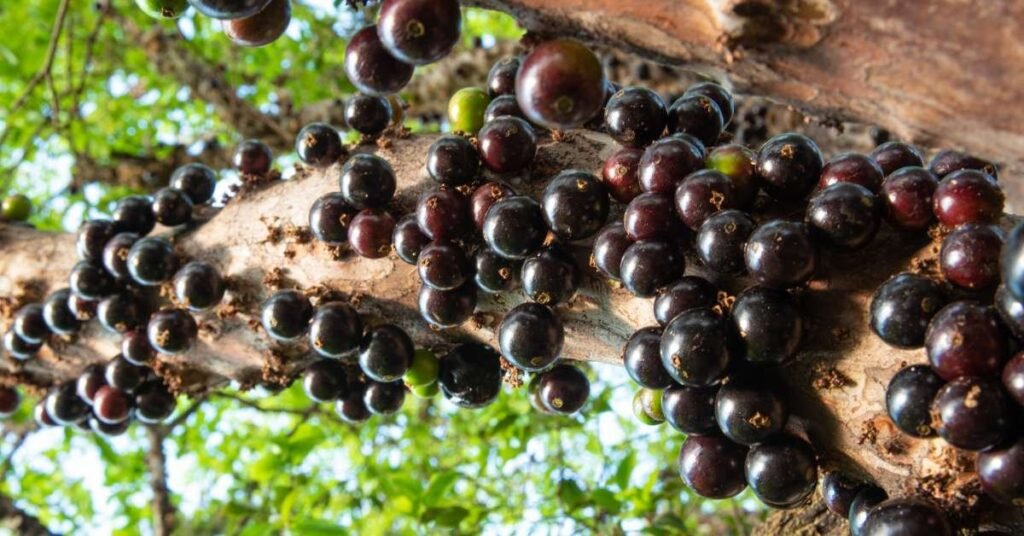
260	242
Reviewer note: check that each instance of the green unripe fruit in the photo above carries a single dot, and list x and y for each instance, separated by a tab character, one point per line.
16	208
647	406
424	369
163	9
466	109
426	391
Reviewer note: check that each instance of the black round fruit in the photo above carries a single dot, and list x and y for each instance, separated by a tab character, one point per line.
782	472
717	93
443	266
652	216
712	466
408	239
966	339
197	181
115	255
318	145
329	218
906	516
20	348
789	166
153	402
444	215
702	194
447	308
336	329
667	162
419	31
368	114
865	500
501	80
122	312
691	410
844	215
172	207
136	349
893	155
698	116
111	405
690	292
530	336
57	315
371	67
134	214
780	254
650	265
948	161
252	157
721	240
1001	472
385	353
751	409
151	261
30	323
560	84
495	273
642	359
908	399
484	197
453	161
769	324
838	491
371	232
90	282
507	144
64	406
635	116
384	398
470	375
198	286
325	380
972	414
92	237
695	347
92	378
902	308
575	205
367	181
123	375
564	389
172	331
286	315
550	276
609	246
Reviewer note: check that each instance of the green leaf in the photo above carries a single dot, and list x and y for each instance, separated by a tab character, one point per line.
606	500
570	493
316	527
447	516
439	486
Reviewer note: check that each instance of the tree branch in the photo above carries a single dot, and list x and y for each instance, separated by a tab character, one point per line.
19	521
163	510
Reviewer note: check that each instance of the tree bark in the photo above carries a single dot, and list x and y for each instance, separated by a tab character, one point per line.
19	521
260	242
163	508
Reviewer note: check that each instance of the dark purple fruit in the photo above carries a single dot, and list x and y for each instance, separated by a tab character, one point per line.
902	308
495	273
550	276
789	166
504	105
690	292
966	339
483	198
325	380
174	331
838	491
969	257
121	312
1013	377
89	382
769	324
906	516
1012	263
844	215
64	406
691	410
967	196
81	308
153	402
352	409
335	330
560	84
229	9
575	205
285	315
134	214
695	347
1001	473
501	80
419	31
252	157
751	409
453	161
514	227
197	181
865	500
650	265
447	308
907	198
408	239
444	215
41	416
651	216
370	233
262	28
609	246
19	348
330	217
667	162
721	241
972	413
385	353
530	336
111	405
563	389
90	282
115	255
703	194
30	324
368	115
384	398
712	466
854	168
151	261
9	400
717	93
780	254
107	429
698	116
949	161
1010	310
893	155
319	145
367	181
908	399
782	472
621	174
507	144
635	116
198	286
443	266
92	237
470	375
136	349
57	315
642	359
371	67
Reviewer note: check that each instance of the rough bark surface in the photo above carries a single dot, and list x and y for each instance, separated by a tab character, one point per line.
943	72
260	242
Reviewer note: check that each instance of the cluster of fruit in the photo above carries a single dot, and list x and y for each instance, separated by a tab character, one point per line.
251	23
118	280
